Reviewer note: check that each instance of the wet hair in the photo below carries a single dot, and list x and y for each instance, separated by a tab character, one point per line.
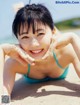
29	14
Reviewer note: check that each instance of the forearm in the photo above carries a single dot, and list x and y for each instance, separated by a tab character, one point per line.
2	59
6	48
76	44
1	71
3	90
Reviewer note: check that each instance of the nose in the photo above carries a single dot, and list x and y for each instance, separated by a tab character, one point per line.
34	42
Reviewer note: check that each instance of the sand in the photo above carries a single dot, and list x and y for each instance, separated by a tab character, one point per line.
62	92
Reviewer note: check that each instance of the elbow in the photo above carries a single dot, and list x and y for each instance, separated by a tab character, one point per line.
78	73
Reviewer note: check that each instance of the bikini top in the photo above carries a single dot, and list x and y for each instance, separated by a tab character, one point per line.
55	57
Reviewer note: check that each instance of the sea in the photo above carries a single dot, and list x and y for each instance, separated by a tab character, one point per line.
13	40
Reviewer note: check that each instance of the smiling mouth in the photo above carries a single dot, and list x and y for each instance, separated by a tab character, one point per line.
36	51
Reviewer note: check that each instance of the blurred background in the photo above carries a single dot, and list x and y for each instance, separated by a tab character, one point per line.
66	16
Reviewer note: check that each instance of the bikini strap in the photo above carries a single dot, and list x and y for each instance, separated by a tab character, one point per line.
28	69
54	55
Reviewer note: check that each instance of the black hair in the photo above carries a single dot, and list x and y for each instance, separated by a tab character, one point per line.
29	14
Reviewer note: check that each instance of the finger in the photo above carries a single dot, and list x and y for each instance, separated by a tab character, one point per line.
58	43
46	55
21	61
60	46
55	44
30	61
25	56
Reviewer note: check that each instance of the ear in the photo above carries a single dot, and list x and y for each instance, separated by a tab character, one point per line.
55	31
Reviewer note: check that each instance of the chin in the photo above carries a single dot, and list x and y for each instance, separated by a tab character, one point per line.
37	54
38	58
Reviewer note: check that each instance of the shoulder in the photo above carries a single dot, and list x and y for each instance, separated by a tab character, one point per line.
68	52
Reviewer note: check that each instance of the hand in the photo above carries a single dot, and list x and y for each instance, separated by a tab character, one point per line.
15	52
49	52
62	40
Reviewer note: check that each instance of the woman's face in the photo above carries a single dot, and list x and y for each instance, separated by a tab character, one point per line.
35	44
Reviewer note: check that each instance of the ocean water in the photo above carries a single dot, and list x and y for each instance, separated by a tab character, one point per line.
13	40
9	39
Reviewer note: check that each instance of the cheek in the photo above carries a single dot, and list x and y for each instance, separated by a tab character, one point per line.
24	45
47	39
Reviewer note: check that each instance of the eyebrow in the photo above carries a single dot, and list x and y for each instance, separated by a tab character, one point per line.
39	30
23	33
35	31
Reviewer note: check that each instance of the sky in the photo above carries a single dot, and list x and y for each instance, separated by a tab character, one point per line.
59	12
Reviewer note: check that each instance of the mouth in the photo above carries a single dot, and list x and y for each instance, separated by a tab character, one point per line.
35	52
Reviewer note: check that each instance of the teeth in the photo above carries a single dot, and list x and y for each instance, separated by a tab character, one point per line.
36	51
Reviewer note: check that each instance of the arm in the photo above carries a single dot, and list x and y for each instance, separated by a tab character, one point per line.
3	90
5	84
76	64
70	56
76	44
74	40
65	39
1	68
16	53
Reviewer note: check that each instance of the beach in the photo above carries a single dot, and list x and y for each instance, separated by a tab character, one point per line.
14	24
62	92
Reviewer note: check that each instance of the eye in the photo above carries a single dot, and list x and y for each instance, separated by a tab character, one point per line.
40	34
25	37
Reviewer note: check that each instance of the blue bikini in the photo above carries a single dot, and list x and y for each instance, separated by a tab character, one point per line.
31	80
